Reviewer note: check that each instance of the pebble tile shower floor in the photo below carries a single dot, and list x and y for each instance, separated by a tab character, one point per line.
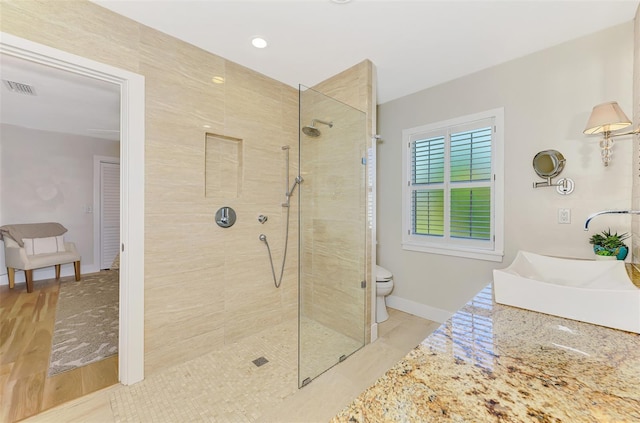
222	386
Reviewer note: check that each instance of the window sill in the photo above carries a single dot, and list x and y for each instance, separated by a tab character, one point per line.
488	255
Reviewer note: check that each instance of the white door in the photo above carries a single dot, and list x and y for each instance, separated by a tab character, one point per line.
109	213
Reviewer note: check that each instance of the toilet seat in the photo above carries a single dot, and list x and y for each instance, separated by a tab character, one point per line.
382	274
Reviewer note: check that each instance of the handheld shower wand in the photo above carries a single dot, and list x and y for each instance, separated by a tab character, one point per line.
296	182
262	219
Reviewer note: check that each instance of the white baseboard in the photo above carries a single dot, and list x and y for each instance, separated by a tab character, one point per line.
417	309
49	273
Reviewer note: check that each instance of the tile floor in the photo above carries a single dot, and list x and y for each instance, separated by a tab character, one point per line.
322	348
225	386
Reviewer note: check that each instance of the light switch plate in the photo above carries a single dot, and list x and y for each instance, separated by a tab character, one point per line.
564	216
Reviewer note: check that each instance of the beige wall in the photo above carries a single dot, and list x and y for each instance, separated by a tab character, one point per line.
635	249
48	176
204	285
547	98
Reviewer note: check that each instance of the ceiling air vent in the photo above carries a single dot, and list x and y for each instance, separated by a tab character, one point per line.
19	88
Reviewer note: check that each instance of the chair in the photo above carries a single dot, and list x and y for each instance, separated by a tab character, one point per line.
36	253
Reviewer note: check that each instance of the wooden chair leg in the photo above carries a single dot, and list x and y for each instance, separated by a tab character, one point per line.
29	277
76	267
57	271
11	273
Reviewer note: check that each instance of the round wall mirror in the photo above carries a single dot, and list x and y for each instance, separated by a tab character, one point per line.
548	163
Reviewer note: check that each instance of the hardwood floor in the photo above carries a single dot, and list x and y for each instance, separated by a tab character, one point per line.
26	331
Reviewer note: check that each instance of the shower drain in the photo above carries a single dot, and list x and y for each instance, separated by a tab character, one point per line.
260	361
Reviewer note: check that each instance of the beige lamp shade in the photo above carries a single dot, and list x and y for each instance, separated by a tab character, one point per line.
606	117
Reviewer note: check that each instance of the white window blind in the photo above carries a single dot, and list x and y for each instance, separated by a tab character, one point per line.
450	187
427	170
470	177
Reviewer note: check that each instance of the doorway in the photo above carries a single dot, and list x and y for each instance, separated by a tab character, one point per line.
131	331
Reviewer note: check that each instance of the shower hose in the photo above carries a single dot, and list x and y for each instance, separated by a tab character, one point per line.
263	238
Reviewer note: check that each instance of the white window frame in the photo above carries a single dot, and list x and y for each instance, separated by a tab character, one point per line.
429	244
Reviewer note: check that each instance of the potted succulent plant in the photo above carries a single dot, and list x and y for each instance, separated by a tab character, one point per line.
606	244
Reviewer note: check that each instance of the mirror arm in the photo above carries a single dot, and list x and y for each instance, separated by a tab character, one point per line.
546	183
564	186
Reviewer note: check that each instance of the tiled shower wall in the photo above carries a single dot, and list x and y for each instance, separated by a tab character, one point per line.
333	216
635	197
204	286
355	87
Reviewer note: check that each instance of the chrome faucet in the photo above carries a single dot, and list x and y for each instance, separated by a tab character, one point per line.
586	224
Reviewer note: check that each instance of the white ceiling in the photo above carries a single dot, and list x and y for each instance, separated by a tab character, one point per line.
64	101
413	44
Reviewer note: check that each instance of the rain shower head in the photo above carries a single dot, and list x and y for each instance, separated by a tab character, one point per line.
312	131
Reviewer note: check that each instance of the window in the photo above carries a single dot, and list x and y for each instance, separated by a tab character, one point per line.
453	187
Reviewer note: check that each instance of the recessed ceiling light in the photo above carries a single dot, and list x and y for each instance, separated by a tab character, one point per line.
217	80
259	42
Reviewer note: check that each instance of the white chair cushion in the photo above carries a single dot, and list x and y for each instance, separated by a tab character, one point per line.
45	260
49	245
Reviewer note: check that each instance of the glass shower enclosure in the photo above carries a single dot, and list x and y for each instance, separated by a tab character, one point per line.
332	233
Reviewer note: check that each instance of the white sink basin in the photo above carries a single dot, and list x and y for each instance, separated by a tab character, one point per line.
598	292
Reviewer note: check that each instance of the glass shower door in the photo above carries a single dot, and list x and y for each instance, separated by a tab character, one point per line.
332	233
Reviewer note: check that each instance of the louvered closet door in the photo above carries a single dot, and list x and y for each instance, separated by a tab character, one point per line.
109	213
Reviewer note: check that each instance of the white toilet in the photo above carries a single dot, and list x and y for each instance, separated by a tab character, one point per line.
384	286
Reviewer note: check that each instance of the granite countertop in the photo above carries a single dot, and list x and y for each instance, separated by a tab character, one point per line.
634	273
495	363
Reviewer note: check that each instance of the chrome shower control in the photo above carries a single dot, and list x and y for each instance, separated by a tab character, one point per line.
225	217
262	218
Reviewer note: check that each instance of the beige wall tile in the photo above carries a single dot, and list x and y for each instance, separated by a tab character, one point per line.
176	352
335	235
78	27
187	256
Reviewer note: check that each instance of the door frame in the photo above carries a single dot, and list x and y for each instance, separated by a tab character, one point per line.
132	133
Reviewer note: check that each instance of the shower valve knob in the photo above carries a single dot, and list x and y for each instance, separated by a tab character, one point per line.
262	218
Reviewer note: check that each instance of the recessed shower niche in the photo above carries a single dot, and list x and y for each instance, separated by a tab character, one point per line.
222	166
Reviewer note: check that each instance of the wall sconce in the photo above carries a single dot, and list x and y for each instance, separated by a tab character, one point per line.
604	119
